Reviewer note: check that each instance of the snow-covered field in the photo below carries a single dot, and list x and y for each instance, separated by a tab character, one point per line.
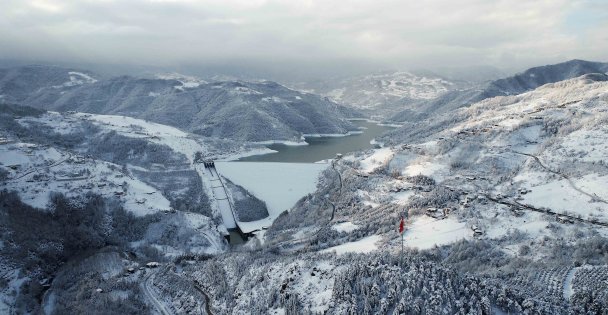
377	159
364	245
425	232
345	227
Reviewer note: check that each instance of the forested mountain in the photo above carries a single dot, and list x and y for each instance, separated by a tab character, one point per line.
20	83
253	111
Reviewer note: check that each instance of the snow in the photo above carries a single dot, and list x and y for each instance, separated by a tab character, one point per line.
283	142
378	158
77	78
84	76
374	90
185	80
568	289
215	191
559	196
258	151
331	135
311	281
403	197
364	245
61	176
280	185
120	123
426	232
345	227
430	168
177	140
592	142
10	157
308	135
594	184
532	223
49	306
59	122
11	288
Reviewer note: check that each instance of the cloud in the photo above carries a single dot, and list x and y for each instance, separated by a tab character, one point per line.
388	32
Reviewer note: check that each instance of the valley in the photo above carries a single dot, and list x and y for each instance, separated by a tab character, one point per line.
503	202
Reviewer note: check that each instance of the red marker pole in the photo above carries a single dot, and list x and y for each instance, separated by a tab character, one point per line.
401	230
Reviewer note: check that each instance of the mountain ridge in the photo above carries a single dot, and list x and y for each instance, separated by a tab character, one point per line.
238	110
516	84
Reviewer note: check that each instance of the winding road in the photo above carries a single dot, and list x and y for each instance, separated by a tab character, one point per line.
151	295
333	211
570	182
207	300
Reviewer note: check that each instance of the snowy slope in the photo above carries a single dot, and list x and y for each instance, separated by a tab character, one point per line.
549	142
384	93
519	83
511	168
41	171
252	111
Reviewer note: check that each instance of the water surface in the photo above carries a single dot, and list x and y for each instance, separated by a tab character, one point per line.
322	148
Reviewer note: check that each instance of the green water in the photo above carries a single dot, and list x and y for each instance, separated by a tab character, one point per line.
322	148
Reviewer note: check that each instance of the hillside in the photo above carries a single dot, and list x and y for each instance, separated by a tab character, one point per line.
247	111
517	84
382	94
512	193
117	190
504	205
19	83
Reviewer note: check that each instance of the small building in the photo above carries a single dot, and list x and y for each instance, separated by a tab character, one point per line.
152	264
477	231
564	219
523	191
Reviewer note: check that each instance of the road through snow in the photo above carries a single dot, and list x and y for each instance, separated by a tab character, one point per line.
147	288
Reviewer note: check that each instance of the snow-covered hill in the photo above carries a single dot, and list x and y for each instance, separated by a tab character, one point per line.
252	111
382	94
525	163
510	189
519	83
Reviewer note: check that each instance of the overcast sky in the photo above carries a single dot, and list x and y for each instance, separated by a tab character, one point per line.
304	34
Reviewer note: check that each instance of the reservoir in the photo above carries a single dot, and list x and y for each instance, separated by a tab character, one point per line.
321	148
